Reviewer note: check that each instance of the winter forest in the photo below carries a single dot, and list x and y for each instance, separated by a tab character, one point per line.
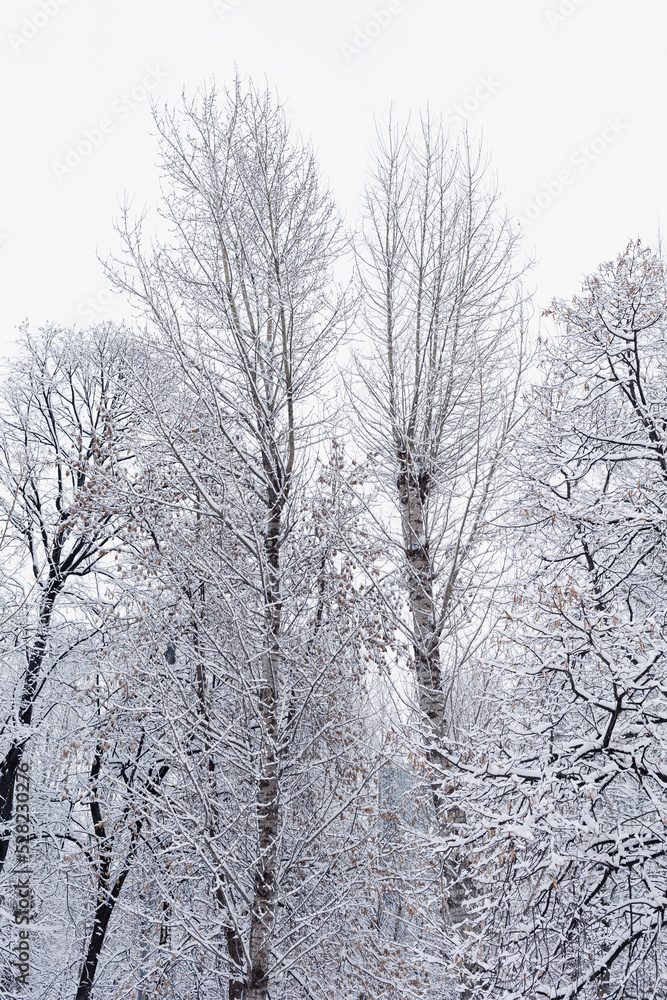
333	638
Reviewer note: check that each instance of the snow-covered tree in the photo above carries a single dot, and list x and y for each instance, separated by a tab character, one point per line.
63	419
268	809
443	313
572	821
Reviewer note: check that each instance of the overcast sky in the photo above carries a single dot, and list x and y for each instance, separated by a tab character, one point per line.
569	95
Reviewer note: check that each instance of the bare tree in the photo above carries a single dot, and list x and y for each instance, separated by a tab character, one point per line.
63	421
444	316
572	807
241	304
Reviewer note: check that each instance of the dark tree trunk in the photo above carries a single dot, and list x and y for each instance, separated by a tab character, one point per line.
265	887
106	900
8	771
235	950
10	764
103	912
413	497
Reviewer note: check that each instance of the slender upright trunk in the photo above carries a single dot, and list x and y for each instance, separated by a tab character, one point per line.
266	876
413	496
103	912
8	771
413	490
107	895
106	898
235	951
412	493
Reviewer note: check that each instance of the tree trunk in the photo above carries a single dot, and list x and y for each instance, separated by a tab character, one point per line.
103	914
413	496
8	771
266	877
265	886
106	900
235	951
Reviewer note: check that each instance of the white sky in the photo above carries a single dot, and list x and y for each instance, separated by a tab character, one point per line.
556	72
